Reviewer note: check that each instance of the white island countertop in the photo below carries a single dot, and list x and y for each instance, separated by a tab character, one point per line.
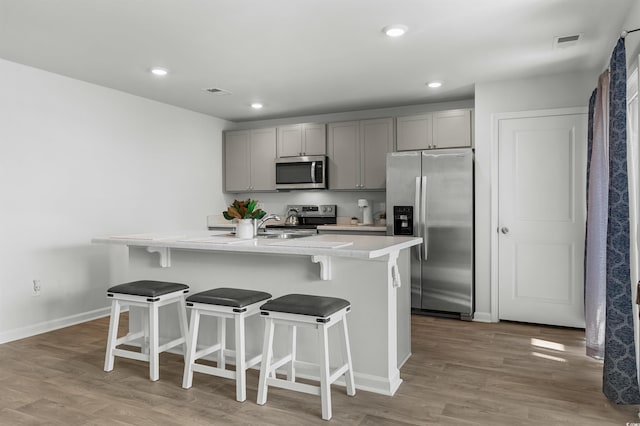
354	246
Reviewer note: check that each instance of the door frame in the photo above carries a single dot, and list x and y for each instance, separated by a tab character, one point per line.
494	243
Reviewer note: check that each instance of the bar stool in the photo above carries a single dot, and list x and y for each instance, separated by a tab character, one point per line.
317	312
150	295
222	303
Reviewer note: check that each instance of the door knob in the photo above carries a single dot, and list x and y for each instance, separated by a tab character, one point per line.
504	230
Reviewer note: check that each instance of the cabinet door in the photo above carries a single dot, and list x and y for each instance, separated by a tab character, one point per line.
314	139
414	132
263	155
290	141
376	140
344	155
452	128
236	161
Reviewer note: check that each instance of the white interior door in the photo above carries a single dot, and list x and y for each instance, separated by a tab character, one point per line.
542	168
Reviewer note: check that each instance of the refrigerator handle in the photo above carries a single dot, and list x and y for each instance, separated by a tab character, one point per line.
423	218
417	211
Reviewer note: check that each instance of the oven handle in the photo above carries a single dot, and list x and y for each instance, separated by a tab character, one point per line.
313	172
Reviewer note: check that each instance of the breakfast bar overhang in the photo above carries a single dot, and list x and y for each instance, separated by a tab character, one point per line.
372	272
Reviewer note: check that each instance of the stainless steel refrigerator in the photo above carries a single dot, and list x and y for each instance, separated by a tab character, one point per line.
430	195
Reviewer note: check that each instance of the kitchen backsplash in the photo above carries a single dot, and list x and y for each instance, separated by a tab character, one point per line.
347	202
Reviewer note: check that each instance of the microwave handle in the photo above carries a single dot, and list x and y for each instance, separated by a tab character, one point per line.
313	172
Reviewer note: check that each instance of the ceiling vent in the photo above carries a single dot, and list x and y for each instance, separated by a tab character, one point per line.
566	41
217	91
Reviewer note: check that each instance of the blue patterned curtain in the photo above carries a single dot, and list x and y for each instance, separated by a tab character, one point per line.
620	380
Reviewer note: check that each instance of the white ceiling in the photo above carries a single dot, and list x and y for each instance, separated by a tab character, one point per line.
303	57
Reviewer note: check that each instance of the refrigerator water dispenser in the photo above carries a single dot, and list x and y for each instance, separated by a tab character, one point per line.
402	220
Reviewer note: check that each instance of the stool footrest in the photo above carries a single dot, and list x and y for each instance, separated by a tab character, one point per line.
254	361
214	371
207	351
279	363
131	354
171	344
129	338
294	386
337	373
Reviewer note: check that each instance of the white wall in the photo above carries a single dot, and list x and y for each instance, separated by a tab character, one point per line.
78	161
555	91
632	41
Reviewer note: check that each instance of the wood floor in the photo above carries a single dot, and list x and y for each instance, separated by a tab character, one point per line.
461	373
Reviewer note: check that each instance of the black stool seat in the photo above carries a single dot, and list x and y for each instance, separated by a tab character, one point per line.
235	297
147	288
304	304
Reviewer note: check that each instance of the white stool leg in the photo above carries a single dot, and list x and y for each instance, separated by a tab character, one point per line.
346	347
325	387
184	330
267	355
145	328
222	339
114	321
291	370
241	361
192	345
154	358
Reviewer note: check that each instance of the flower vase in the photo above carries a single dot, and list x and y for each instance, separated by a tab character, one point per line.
244	229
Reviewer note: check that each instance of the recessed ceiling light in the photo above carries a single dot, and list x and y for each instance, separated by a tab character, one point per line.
434	84
395	30
256	105
160	72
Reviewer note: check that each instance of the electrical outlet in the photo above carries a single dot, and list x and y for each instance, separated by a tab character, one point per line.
37	287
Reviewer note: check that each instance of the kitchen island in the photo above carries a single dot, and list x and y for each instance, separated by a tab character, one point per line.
372	272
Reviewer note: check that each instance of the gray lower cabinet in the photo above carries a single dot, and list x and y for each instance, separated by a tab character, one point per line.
357	153
249	158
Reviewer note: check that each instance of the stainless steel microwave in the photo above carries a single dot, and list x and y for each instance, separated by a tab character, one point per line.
301	172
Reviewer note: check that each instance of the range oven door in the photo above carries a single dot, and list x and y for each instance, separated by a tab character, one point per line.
301	172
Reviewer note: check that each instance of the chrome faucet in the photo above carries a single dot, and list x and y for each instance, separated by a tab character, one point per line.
259	224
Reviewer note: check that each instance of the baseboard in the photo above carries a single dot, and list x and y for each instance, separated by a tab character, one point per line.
482	317
44	327
401	363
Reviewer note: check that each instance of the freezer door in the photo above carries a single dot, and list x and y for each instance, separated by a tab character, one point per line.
403	171
446	224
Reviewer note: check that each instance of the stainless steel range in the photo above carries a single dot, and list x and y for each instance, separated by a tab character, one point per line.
307	217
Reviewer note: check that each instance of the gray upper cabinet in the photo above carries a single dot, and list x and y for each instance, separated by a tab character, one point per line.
415	132
452	129
377	141
249	160
442	129
302	140
358	152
